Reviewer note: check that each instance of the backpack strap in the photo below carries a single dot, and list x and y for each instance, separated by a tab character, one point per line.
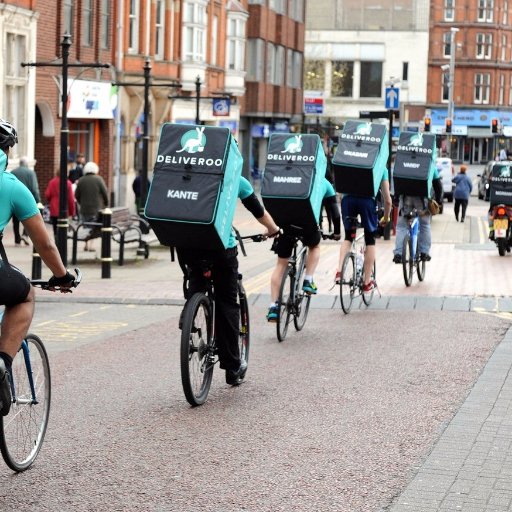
3	254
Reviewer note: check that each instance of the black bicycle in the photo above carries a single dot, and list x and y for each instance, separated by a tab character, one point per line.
199	353
411	257
22	431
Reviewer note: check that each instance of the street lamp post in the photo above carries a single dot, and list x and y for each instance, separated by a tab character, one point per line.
451	80
62	222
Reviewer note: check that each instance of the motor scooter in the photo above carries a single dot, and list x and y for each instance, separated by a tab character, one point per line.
501	218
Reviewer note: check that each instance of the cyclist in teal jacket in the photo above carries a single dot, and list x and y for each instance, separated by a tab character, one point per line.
16	292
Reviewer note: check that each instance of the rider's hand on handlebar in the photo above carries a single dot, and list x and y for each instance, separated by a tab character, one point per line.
274	234
65	283
384	221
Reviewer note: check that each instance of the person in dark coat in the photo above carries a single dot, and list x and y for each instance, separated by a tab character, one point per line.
463	188
92	196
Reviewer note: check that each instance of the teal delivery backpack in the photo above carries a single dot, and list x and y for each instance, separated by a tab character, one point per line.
192	199
292	184
414	164
361	158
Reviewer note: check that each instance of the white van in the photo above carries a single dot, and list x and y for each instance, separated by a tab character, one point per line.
446	173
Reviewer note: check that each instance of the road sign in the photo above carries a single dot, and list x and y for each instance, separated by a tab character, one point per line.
313	105
392	97
221	106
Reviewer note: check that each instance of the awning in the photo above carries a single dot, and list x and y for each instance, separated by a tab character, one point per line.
475	131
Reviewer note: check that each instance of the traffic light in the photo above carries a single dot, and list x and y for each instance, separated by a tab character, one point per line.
448	125
427	123
494	126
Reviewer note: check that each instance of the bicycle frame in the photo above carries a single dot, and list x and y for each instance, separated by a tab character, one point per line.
414	225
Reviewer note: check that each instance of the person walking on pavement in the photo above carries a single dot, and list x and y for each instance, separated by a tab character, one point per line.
16	292
52	194
28	177
78	171
463	188
92	196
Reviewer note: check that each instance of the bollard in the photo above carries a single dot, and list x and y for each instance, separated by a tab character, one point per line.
106	235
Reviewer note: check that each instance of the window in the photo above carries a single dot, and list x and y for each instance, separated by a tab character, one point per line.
298	60
485	10
445	96
503	47
279	66
105	24
278	5
194	31
314	75
236	42
214	41
133	27
371	80
482	87
67	16
447	44
296	10
87	22
15	92
505	12
501	94
342	80
271	63
510	92
449	10
159	29
255	60
483	46
405	71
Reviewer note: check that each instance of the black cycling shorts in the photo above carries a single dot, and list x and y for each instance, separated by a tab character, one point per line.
14	286
283	246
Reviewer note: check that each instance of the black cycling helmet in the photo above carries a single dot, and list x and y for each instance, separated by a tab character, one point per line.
8	135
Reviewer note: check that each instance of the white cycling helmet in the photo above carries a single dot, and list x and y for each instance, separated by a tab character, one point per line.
8	135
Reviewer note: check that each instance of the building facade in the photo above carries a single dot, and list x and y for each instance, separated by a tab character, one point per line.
356	51
482	75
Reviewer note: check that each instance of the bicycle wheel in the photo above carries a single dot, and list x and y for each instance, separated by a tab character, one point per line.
368	297
285	305
347	282
421	266
302	300
244	337
407	260
22	430
197	349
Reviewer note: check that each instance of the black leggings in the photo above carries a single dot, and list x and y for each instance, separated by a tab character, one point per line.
458	204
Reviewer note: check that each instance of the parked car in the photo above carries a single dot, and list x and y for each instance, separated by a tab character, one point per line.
483	182
446	173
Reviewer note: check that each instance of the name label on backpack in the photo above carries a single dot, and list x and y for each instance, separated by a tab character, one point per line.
182	194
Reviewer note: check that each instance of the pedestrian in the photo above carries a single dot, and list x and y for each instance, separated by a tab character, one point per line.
29	178
463	188
503	154
92	196
52	195
78	171
136	186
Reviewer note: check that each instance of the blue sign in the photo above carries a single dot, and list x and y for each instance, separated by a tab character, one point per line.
221	106
392	98
471	117
313	105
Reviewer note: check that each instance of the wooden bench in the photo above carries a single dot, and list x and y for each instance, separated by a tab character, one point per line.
126	228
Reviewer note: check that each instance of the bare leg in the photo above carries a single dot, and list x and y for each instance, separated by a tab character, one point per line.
15	324
277	277
344	250
369	259
313	259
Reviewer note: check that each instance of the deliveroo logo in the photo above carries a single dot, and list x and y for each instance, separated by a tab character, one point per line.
293	144
364	129
193	141
416	140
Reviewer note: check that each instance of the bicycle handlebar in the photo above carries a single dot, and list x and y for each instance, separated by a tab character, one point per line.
254	238
43	284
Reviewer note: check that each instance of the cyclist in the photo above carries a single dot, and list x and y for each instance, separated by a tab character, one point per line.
225	278
366	208
407	204
16	292
311	237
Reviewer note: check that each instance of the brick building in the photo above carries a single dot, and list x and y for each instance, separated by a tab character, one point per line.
482	81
